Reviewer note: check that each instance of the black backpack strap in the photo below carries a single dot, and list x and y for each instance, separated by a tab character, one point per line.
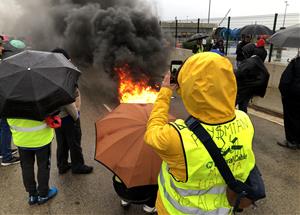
195	126
237	186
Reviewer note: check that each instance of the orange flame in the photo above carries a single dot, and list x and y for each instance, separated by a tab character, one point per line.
134	92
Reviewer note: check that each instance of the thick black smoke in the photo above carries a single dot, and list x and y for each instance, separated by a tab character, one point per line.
101	33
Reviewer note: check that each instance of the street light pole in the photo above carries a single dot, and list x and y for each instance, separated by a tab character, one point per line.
209	11
286	4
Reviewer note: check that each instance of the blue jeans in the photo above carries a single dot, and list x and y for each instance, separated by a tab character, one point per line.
5	140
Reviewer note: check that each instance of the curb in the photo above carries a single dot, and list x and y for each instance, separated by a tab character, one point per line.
267	111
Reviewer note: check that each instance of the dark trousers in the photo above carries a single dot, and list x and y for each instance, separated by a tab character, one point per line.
137	195
27	157
5	140
243	102
68	138
291	116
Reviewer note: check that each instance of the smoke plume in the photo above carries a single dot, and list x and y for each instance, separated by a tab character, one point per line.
99	33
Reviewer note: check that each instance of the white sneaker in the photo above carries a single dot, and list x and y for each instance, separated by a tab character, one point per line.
148	209
124	203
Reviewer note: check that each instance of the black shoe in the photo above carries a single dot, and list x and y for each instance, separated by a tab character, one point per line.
288	144
13	160
84	169
33	199
64	169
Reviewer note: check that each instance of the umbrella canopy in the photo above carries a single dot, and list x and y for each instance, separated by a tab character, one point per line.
289	37
13	47
256	30
197	36
120	145
34	84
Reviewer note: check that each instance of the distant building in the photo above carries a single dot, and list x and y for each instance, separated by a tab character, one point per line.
267	20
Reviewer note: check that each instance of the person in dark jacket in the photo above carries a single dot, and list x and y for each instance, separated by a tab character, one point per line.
68	136
289	87
260	49
252	77
239	52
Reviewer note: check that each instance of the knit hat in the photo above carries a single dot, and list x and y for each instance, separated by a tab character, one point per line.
260	43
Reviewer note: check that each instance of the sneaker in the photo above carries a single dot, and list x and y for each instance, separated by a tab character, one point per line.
84	169
148	209
13	160
51	193
64	169
13	152
124	203
33	199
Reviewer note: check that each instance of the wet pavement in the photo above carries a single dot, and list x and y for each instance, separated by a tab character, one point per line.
94	193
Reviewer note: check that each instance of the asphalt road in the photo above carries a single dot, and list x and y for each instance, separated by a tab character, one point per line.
94	193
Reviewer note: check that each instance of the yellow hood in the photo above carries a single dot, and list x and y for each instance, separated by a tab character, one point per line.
208	88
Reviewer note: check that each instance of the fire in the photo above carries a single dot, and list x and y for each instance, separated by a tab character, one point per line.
134	92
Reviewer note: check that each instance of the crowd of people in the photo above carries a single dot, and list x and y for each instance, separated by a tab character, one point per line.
184	173
33	140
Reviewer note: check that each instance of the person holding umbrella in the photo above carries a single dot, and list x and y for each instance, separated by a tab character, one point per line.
189	182
33	139
38	77
252	77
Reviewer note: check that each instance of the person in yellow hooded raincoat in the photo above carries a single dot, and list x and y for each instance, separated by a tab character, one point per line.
189	182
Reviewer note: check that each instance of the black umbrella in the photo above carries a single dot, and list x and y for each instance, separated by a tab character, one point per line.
34	84
197	36
289	37
256	30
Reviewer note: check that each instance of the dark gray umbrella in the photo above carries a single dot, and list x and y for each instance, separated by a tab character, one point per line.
289	37
256	30
197	36
34	84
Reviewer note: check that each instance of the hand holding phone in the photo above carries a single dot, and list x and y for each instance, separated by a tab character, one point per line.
166	82
174	68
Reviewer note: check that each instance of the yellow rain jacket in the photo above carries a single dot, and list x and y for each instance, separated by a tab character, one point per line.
208	89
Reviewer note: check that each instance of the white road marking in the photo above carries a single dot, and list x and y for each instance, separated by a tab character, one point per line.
265	116
107	108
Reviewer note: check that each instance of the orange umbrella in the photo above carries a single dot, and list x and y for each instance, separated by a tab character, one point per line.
120	145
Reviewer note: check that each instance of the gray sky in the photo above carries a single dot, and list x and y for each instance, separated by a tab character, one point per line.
183	9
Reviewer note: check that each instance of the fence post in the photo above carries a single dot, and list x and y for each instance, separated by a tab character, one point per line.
274	29
176	26
227	35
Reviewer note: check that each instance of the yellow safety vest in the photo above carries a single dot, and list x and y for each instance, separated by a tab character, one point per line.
204	191
30	133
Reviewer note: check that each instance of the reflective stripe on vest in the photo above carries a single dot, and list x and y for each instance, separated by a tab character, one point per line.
191	210
23	129
183	192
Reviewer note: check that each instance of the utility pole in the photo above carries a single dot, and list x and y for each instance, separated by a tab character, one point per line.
286	4
209	11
